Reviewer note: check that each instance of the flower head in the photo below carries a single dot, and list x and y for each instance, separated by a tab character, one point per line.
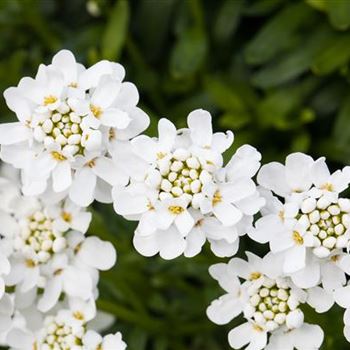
305	219
182	188
67	115
65	330
270	303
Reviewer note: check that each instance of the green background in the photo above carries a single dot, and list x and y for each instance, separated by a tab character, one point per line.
274	71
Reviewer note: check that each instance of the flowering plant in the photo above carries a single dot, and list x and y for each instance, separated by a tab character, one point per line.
77	140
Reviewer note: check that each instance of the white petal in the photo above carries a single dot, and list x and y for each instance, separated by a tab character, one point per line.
171	244
222	141
11	133
294	319
18	104
265	229
308	336
244	163
298	171
107	170
20	339
146	245
342	296
97	253
228	214
77	283
184	222
105	93
167	133
138	123
128	204
332	276
61	176
64	60
52	292
199	123
91	77
347	333
238	190
294	259
223	249
115	118
145	147
224	309
273	177
308	277
195	241
83	186
320	172
319	299
81	222
128	96
241	335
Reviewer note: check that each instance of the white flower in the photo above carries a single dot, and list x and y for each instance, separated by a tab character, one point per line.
69	120
181	193
341	297
305	220
6	313
66	330
269	301
44	251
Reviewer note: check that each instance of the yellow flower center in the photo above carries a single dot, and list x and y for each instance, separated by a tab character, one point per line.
49	100
96	111
175	209
255	275
78	315
297	238
58	156
217	198
67	217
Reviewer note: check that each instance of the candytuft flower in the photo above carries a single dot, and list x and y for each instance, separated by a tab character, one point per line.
183	194
270	303
65	330
69	119
306	220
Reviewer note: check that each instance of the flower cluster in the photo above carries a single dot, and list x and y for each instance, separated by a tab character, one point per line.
66	148
72	121
270	303
66	330
77	139
183	195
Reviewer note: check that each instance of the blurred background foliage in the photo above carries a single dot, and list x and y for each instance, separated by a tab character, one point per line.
276	72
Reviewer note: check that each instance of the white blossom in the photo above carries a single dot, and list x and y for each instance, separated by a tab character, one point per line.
182	194
306	220
65	330
270	303
44	248
69	120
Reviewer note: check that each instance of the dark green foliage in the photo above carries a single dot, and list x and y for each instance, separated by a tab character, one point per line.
276	72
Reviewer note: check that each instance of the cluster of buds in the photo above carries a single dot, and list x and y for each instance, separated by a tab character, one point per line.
273	304
328	222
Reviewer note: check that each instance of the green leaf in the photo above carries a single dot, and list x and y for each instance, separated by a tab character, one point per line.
227	20
277	106
339	13
279	34
115	33
320	5
341	129
261	7
224	95
189	53
334	56
294	63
